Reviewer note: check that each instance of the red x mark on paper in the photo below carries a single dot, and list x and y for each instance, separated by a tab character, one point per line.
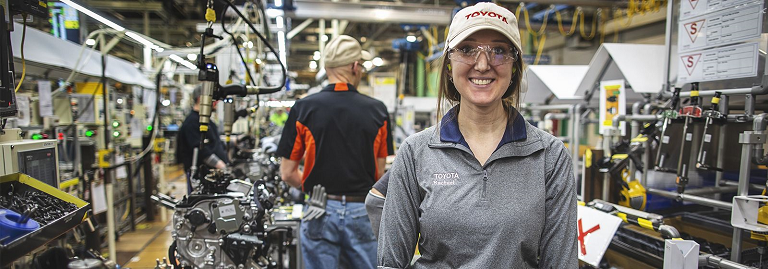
583	234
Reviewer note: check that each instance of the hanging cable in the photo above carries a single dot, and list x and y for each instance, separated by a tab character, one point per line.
594	25
543	27
540	49
266	42
234	43
573	23
23	61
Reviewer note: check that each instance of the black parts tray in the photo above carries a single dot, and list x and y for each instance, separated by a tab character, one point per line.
21	183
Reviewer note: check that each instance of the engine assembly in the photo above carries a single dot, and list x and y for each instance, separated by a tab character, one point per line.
224	224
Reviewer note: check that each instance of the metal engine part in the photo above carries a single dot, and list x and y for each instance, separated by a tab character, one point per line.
221	229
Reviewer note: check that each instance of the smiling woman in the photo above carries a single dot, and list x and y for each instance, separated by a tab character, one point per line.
483	188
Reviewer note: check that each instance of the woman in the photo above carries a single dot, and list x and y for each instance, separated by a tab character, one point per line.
483	189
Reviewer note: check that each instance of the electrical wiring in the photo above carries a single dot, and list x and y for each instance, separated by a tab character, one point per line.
77	66
266	42
543	27
23	61
263	17
234	43
540	49
573	23
591	35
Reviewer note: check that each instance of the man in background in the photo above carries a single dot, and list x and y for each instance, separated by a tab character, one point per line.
343	137
213	155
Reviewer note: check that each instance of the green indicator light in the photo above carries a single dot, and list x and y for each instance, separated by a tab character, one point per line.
149	128
37	136
89	133
116	134
115	124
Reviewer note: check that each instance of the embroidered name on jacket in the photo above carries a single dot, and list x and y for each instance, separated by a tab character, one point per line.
443	179
487	14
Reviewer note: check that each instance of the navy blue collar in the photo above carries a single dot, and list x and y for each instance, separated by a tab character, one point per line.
449	129
339	87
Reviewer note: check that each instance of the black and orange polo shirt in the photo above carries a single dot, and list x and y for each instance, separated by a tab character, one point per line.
340	133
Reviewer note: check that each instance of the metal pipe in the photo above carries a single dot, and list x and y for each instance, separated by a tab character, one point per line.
634	131
111	221
557	116
711	190
668	46
724	109
736	183
692	198
576	140
744	175
759	125
549	107
717	262
724	91
618	118
606	176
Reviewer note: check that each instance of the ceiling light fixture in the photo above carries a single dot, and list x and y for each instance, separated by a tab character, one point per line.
143	41
93	15
90	42
368	65
192	56
312	65
316	56
281	47
377	61
410	38
115	26
182	61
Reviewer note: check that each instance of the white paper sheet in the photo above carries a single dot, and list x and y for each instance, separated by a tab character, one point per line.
46	102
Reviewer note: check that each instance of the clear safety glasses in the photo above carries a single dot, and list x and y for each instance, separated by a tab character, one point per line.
497	54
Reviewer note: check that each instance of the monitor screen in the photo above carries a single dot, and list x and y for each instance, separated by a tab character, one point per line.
40	164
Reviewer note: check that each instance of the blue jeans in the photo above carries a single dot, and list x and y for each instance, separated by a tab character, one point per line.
344	232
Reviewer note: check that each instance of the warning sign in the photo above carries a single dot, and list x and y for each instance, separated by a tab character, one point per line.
692	29
690	61
693	8
736	61
721	28
595	231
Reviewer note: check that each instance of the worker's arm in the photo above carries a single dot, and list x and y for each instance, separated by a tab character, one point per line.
557	249
205	154
289	171
381	163
399	230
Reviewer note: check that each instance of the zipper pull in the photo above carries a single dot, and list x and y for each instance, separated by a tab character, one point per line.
485	183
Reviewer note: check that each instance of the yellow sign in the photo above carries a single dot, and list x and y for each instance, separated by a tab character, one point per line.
611	103
385	81
72	24
88	88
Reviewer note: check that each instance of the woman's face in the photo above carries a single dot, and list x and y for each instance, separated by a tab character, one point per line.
481	67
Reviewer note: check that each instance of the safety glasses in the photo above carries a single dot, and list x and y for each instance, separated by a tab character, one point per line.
497	54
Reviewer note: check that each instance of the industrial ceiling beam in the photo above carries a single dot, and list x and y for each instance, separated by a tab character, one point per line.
126	5
372	12
582	3
296	30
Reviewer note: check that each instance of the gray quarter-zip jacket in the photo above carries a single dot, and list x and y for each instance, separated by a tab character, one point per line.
516	211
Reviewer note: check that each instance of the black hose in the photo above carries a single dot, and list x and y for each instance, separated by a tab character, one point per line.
172	255
265	90
234	43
